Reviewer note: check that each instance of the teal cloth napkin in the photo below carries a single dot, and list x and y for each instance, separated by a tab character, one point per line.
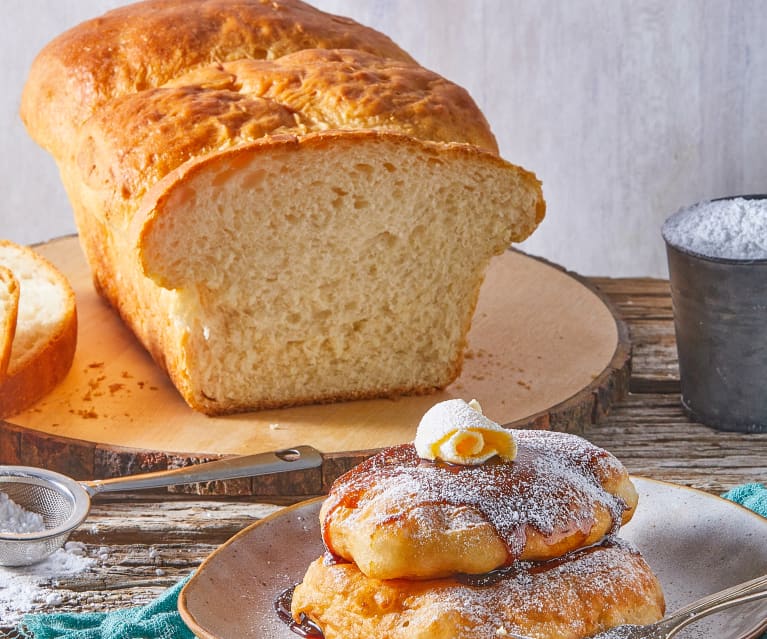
161	620
752	496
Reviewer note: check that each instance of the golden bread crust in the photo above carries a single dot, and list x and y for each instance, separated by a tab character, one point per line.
143	45
576	597
398	517
125	149
353	89
27	384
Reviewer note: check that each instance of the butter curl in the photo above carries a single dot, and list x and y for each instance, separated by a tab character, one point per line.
457	432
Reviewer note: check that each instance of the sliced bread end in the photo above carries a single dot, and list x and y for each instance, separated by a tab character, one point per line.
43	346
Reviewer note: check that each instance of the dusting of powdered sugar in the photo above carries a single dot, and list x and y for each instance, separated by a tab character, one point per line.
734	229
31	588
15	519
554	486
556	598
530	599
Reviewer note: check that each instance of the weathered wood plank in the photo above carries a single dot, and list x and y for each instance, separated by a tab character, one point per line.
653	437
637	298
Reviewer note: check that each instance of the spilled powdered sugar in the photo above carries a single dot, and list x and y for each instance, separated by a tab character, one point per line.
28	588
43	586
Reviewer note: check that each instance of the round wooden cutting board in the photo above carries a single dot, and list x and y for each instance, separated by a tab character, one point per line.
545	351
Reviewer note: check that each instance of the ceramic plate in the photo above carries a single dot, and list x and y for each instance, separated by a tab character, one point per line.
696	543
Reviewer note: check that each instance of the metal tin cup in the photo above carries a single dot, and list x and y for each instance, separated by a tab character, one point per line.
720	319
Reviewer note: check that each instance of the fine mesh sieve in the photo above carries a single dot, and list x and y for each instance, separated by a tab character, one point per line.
63	503
60	501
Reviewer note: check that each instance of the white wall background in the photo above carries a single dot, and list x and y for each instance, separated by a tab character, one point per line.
626	109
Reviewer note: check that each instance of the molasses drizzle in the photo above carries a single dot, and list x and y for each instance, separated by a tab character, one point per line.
533	567
304	627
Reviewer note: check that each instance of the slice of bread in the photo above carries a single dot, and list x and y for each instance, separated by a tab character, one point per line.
9	307
46	329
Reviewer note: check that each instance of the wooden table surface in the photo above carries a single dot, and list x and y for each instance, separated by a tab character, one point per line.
149	542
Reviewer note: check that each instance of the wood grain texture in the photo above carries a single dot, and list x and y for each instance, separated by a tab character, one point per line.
648	312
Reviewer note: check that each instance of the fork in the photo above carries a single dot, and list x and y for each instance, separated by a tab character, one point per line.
670	625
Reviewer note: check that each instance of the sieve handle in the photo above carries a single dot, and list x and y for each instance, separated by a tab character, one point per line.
298	458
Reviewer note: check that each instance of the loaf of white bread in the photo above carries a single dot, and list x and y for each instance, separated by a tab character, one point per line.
281	203
38	327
